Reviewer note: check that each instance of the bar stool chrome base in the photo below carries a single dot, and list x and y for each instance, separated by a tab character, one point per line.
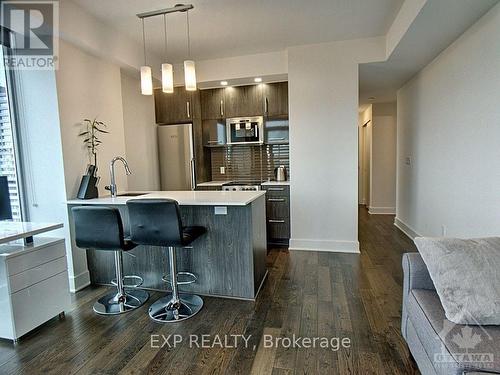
112	304
170	310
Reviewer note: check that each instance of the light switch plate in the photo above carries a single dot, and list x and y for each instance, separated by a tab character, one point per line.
222	170
220	210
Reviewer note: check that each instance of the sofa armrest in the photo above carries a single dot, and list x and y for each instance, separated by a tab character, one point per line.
415	276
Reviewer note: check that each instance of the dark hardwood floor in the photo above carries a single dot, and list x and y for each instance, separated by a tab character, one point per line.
308	294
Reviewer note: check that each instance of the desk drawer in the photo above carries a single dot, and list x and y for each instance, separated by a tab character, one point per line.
44	254
38	303
35	275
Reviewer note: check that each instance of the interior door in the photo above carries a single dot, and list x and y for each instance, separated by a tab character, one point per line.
175	148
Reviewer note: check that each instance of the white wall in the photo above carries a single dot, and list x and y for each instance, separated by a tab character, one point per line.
140	135
323	99
448	124
41	150
89	87
383	159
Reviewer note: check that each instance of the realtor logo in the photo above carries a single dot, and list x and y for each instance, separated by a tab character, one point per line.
466	347
33	36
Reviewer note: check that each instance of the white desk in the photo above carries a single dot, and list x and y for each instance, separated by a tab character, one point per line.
12	230
34	284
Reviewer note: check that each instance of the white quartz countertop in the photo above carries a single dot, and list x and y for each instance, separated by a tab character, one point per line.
15	230
277	183
184	198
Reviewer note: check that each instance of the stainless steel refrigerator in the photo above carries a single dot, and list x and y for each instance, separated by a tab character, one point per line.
175	149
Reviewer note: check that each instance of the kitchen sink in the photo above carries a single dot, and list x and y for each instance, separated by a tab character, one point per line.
131	194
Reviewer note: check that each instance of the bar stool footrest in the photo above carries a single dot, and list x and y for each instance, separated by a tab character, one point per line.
138	281
183	278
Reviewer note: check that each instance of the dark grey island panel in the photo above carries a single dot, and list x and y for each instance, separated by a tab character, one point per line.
229	260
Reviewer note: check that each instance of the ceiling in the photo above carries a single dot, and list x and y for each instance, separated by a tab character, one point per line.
439	23
225	28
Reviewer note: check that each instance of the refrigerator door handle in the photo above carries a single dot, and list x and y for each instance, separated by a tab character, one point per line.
193	178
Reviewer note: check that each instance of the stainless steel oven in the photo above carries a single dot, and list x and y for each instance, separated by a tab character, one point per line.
245	130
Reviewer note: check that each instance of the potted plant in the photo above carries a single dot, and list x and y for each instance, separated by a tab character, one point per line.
88	185
91	139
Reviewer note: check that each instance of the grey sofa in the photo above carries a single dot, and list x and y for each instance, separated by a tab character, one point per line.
438	345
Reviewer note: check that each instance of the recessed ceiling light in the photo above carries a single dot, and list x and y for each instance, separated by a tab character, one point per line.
223	83
371	98
257	79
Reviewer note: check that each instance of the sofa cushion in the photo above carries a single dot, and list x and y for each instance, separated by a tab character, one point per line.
465	274
452	348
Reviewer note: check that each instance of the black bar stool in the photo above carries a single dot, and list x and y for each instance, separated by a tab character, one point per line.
101	228
157	222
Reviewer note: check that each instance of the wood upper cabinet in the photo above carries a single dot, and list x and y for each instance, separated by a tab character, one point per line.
276	99
242	101
212	104
181	106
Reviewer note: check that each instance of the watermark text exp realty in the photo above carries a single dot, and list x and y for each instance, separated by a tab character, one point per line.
235	341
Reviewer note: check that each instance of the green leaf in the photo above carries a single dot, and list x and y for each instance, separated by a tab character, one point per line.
101	131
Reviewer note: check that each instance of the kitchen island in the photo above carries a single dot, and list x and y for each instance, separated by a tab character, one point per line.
229	260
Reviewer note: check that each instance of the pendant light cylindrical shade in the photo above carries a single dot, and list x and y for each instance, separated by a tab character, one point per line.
167	78
167	71
146	76
190	75
146	81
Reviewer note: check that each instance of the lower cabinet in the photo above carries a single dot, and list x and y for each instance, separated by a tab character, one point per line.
277	214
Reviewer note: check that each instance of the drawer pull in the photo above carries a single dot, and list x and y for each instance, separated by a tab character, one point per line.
276	221
276	199
276	189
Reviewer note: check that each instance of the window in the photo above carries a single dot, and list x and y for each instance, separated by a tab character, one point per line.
8	144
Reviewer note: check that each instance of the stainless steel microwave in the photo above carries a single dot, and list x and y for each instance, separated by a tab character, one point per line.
245	130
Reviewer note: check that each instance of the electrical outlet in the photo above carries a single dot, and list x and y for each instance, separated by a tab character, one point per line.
443	230
220	210
408	160
222	170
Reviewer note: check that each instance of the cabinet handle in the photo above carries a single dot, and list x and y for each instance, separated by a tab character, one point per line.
212	142
193	177
276	189
188	109
276	221
277	139
266	105
222	108
276	200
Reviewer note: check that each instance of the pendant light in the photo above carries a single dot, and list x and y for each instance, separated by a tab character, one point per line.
189	67
167	71
146	77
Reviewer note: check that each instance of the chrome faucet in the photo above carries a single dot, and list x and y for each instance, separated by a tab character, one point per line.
112	187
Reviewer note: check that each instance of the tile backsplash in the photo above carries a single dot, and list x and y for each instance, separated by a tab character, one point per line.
246	162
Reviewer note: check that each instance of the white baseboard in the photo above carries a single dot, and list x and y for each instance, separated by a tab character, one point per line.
325	245
382	210
79	282
405	228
